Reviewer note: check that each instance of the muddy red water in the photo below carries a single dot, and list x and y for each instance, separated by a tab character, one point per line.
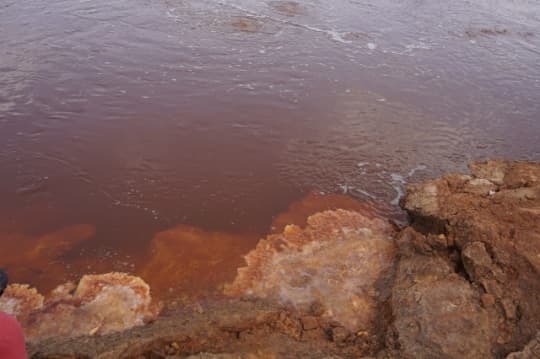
126	123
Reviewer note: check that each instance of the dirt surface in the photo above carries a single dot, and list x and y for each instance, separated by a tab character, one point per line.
234	329
466	284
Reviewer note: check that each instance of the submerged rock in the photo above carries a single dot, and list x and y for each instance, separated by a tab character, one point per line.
299	212
39	258
288	8
99	304
188	260
341	261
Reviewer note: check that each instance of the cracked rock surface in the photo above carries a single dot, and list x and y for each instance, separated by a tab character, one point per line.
468	281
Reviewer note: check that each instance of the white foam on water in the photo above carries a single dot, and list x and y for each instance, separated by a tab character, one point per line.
335	35
415	169
365	193
398	182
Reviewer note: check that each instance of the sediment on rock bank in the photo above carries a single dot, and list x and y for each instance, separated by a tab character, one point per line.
462	281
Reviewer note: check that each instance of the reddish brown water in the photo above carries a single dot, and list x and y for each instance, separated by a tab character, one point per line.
134	117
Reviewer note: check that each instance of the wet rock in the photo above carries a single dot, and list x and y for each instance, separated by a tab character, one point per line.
19	299
100	304
247	24
474	33
299	212
341	261
38	258
288	8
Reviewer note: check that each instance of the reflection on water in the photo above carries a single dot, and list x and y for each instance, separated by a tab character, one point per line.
139	116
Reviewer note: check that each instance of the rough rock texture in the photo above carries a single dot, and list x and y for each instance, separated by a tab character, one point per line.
469	286
223	329
99	304
531	351
341	262
299	211
19	299
438	313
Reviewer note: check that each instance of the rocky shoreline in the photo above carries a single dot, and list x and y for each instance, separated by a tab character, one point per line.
461	281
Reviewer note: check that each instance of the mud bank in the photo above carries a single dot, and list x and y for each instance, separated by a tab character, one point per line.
461	281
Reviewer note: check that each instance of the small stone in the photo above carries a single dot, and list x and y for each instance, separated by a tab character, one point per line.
175	345
488	300
362	333
339	334
509	307
317	309
309	323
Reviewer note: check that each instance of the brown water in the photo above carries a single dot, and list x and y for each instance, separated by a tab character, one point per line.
124	120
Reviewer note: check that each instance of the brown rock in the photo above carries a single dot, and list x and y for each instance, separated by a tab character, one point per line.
309	323
339	334
335	262
499	241
435	308
477	260
100	304
531	350
488	300
18	300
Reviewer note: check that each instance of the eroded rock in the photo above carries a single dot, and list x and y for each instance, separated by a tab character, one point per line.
342	261
438	313
492	221
100	304
531	350
299	212
19	299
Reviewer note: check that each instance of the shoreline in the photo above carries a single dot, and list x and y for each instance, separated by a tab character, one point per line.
461	280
